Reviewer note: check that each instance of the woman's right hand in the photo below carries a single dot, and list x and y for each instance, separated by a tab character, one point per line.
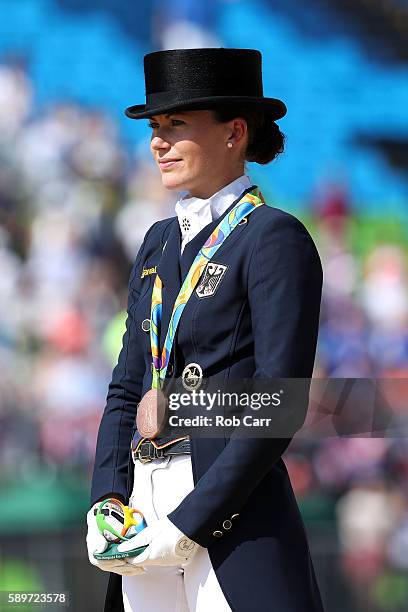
97	543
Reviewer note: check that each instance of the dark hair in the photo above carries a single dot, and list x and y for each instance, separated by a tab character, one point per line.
265	140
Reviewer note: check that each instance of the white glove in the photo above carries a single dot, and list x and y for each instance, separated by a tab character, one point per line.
97	543
167	545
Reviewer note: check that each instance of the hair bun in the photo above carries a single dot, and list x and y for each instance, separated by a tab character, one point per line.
265	140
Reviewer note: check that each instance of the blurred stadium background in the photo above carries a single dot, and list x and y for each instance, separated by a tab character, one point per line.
77	193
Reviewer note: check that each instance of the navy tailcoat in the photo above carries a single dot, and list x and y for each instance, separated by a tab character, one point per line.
262	321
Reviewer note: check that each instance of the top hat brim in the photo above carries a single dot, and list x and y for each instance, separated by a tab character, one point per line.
274	106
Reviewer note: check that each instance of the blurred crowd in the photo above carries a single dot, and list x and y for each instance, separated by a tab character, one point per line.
73	213
74	207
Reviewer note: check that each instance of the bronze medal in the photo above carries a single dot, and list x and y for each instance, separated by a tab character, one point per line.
151	413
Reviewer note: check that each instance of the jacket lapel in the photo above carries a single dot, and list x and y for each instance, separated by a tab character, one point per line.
168	270
191	249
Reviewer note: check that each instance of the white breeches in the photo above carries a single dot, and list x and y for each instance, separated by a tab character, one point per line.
159	486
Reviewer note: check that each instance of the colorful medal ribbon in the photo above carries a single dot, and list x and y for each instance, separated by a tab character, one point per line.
243	208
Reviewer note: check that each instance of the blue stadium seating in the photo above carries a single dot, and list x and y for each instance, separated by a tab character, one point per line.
91	52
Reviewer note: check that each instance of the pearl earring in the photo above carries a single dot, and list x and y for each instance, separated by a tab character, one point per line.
229	144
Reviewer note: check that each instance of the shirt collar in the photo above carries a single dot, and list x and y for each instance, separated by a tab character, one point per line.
195	213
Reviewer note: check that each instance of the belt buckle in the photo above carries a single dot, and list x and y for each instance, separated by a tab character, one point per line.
153	453
142	457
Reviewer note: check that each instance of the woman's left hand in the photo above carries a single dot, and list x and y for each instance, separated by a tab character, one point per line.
167	545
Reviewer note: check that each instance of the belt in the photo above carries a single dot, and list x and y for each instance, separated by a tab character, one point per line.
146	451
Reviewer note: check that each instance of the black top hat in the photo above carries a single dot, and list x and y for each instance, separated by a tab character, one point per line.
201	78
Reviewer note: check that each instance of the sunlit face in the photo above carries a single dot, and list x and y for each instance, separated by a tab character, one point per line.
190	148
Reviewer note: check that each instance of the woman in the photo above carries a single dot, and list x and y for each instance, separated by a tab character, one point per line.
224	530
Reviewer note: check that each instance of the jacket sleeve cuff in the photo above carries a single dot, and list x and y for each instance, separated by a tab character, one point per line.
204	537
